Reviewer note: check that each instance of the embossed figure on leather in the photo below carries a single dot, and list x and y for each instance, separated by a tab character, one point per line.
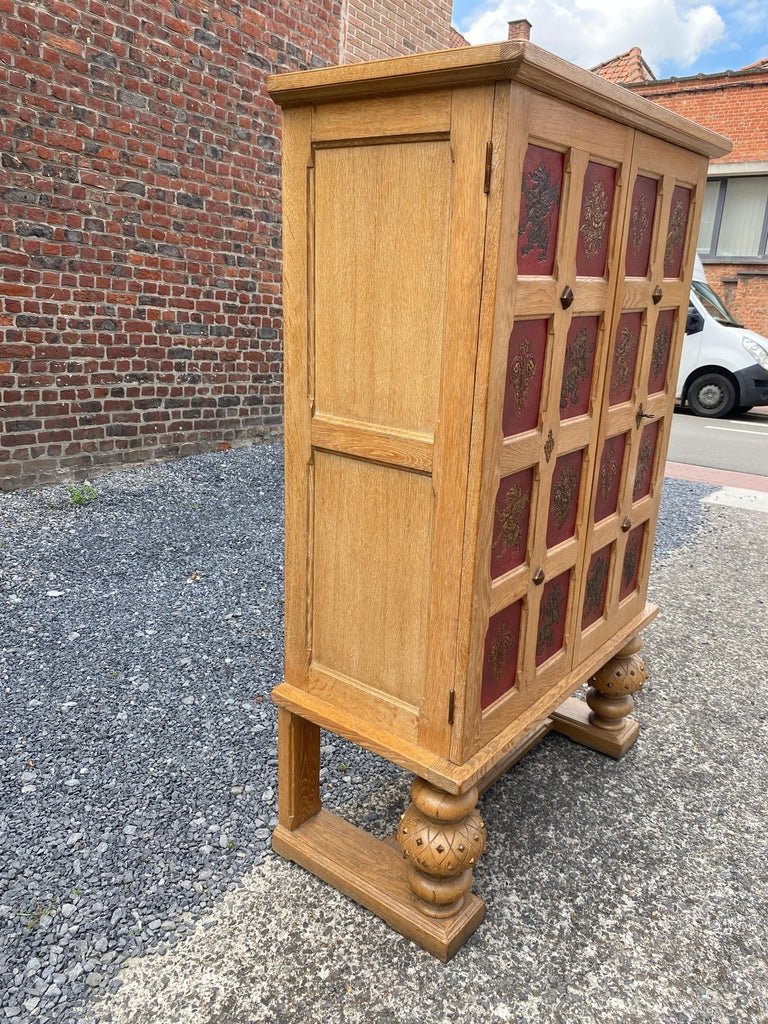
539	210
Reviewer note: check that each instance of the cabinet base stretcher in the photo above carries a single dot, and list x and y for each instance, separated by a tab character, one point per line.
419	884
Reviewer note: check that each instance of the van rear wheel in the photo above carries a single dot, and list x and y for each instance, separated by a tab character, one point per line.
712	395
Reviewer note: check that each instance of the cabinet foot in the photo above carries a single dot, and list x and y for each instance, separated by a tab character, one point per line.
434	907
603	723
442	837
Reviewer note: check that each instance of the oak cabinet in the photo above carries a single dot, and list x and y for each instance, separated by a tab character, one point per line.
487	262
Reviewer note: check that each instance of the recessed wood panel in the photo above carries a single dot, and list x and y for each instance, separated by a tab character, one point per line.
677	230
609	476
641	216
524	375
595	220
563	503
372	534
631	565
510	522
662	346
552	617
596	586
625	350
380	242
578	366
539	211
500	656
646	460
564	498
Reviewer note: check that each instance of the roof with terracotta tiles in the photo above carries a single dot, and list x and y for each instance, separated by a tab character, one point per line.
456	39
626	68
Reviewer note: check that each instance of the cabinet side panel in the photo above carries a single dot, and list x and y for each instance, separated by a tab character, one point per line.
373	532
381	234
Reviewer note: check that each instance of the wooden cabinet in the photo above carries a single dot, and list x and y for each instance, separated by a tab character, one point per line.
487	262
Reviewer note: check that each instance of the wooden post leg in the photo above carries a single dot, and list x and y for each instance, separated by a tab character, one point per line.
606	726
442	837
371	871
298	770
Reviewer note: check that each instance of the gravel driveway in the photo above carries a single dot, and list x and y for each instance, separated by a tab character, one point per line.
142	632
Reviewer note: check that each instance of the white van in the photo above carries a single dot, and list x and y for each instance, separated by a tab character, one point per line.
724	368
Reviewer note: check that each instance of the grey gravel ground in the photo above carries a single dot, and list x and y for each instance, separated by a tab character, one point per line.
141	636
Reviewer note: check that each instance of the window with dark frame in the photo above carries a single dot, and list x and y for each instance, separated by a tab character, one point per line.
734	220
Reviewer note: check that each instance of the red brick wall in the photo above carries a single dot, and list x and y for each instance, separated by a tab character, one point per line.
744	289
140	309
375	29
735	105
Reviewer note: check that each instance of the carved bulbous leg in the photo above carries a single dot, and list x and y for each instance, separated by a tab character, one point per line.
442	837
610	695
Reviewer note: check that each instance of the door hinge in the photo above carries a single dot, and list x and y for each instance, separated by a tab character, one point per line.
451	706
488	163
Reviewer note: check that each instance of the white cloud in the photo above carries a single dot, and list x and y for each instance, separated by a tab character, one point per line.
671	33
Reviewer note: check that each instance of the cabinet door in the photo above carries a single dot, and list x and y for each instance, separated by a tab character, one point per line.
560	245
645	342
385	214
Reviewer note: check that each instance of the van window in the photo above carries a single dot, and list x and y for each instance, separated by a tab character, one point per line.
713	305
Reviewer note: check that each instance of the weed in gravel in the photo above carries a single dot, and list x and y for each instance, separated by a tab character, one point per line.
82	494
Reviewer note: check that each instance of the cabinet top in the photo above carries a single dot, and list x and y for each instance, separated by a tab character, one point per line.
517	61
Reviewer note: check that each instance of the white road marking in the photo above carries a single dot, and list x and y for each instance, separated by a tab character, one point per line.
736	430
739	497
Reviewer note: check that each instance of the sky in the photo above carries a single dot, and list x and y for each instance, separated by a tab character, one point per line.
677	37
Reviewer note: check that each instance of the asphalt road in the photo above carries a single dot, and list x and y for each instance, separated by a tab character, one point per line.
739	445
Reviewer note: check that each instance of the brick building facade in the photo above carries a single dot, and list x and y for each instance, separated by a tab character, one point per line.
140	312
733	241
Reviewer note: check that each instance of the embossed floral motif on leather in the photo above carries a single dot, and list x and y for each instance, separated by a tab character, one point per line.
624	348
551	614
500	653
597	579
660	350
631	566
522	370
511	519
631	557
639	224
678	224
595	220
563	495
641	219
645	455
608	471
662	347
497	656
675	236
578	368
